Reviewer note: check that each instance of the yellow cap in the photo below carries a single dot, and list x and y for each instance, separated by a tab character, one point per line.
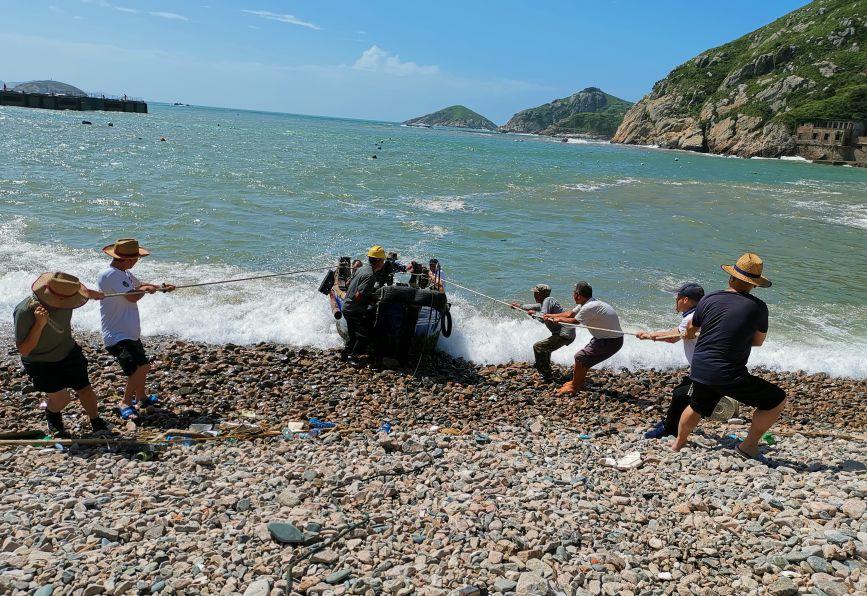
376	252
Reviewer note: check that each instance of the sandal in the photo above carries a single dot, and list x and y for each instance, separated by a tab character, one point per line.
150	400
747	457
128	412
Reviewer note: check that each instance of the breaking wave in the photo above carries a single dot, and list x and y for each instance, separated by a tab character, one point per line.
289	310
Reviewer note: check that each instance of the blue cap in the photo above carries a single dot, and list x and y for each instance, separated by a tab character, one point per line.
690	290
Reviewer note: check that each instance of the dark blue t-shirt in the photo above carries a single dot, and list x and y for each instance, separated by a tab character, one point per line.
728	322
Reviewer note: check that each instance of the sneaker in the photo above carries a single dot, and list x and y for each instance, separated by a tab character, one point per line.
657	432
55	425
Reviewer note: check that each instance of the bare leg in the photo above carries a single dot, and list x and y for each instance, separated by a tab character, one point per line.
762	421
128	393
136	384
88	401
579	375
58	400
688	421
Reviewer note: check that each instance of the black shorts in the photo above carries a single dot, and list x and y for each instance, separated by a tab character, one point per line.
749	390
130	354
69	373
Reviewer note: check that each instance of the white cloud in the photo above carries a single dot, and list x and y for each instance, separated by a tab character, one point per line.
282	18
172	16
375	59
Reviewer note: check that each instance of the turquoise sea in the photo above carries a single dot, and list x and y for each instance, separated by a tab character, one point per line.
233	193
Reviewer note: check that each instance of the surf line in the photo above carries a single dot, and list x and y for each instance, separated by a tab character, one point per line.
223	281
538	317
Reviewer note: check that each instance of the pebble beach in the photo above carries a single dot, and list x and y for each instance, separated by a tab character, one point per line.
486	484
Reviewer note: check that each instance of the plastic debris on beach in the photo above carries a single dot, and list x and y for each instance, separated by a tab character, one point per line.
627	462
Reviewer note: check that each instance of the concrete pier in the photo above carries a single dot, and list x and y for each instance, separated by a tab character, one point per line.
69	102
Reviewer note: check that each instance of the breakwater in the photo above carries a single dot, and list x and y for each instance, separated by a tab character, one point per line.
48	101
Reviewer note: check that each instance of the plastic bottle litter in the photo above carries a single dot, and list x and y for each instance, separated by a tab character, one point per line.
385	427
322	424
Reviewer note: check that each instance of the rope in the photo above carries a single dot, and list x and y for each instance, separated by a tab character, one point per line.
223	281
539	317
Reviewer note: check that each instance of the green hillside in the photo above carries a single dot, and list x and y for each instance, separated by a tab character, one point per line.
747	96
824	42
591	111
455	116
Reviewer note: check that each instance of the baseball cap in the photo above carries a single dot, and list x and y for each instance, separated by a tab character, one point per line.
690	290
541	289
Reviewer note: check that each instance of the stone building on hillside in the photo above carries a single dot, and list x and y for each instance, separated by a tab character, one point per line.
833	141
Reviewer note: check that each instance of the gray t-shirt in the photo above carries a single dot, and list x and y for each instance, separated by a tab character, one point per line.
550	306
595	313
364	282
56	341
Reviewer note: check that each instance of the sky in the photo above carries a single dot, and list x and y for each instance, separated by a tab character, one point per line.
380	60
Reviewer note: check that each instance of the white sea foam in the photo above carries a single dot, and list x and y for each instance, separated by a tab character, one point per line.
440	204
852	215
583	141
289	310
593	186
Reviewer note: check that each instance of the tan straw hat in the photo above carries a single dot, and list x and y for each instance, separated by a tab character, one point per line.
59	290
126	248
748	269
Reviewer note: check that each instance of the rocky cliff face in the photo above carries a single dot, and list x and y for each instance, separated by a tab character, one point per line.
561	116
746	97
454	116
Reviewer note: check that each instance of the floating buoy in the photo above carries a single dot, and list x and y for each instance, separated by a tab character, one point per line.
86	122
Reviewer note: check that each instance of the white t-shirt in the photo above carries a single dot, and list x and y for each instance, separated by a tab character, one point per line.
119	316
595	313
688	344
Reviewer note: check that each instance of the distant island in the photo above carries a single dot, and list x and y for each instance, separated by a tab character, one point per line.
49	88
590	112
795	86
454	116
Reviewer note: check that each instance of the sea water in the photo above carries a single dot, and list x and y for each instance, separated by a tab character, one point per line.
233	193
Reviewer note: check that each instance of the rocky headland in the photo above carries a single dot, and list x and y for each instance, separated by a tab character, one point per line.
746	97
590	112
486	484
455	117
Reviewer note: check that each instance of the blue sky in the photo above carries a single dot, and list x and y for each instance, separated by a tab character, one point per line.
383	60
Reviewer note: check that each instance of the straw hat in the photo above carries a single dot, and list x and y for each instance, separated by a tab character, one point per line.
748	269
59	290
126	248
